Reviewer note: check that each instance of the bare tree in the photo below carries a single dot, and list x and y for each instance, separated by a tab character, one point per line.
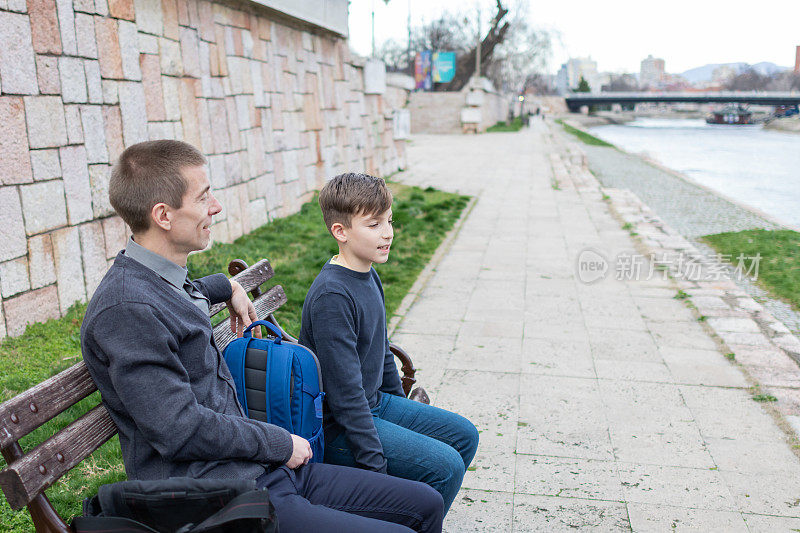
395	56
524	51
538	83
748	80
623	83
784	81
511	50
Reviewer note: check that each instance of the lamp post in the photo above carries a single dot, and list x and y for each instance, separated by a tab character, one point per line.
385	2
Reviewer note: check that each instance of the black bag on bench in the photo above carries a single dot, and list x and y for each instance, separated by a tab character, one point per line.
178	505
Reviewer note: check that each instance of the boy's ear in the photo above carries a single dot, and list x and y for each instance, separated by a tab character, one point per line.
339	232
160	215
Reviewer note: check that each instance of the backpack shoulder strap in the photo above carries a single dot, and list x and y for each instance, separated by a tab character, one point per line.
250	505
234	355
279	377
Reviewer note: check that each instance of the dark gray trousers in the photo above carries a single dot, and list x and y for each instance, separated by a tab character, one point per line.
326	498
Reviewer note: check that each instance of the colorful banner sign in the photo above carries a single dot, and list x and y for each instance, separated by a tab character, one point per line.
444	67
422	70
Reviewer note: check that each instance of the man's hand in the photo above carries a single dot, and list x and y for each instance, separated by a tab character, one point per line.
301	452
243	313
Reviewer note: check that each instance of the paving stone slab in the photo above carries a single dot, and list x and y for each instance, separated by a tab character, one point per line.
768	524
480	511
565	331
753	457
486	353
491	327
679	445
541	513
632	346
655	518
590	441
719	397
737	424
632	370
668	485
568	477
681	335
772	494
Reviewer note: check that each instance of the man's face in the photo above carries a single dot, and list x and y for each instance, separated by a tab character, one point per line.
369	238
190	229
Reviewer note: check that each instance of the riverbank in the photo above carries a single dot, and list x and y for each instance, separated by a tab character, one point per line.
790	125
604	118
692	209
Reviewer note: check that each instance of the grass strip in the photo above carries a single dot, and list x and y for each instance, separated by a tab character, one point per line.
779	264
515	125
583	136
297	246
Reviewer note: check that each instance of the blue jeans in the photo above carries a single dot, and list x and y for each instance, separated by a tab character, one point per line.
420	443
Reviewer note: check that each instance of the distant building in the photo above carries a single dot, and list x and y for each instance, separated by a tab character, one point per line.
652	72
570	73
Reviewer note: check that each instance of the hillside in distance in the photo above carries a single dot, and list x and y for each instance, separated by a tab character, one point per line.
706	72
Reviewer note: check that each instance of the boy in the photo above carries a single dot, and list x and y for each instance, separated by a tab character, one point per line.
368	421
147	342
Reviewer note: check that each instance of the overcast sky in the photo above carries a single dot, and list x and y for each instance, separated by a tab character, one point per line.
618	34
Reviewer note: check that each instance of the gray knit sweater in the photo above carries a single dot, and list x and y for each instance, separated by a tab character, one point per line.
164	382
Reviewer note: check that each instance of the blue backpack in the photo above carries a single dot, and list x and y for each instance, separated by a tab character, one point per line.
279	382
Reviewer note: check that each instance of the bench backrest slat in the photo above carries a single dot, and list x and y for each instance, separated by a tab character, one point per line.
28	476
251	278
265	305
29	410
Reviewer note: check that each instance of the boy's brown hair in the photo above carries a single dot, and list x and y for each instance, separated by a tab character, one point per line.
149	173
352	194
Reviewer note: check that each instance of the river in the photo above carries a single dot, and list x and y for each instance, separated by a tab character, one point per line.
756	167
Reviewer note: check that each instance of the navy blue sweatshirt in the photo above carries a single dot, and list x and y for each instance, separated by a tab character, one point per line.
344	323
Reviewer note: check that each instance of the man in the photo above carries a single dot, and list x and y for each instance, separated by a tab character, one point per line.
147	342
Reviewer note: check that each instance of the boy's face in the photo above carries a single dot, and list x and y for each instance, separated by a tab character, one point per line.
367	240
191	223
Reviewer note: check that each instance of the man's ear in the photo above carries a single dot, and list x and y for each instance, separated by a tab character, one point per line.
339	232
160	215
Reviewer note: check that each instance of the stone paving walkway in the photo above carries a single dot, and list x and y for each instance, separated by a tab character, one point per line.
602	406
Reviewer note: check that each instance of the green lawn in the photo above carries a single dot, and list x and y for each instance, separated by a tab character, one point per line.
297	246
583	136
515	125
779	266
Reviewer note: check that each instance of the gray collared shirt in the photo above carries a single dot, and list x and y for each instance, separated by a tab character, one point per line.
176	275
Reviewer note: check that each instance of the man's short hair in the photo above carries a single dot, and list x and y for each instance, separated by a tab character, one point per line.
149	173
352	194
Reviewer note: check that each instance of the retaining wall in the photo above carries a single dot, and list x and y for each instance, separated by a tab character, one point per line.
276	105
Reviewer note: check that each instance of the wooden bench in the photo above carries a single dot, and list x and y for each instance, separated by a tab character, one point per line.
27	475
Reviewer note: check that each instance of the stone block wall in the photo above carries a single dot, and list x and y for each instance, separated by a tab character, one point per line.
276	107
436	112
440	112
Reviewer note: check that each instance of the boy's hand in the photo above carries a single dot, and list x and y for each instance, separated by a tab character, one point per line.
301	452
242	310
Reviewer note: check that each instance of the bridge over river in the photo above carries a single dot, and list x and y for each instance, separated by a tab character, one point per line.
577	100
